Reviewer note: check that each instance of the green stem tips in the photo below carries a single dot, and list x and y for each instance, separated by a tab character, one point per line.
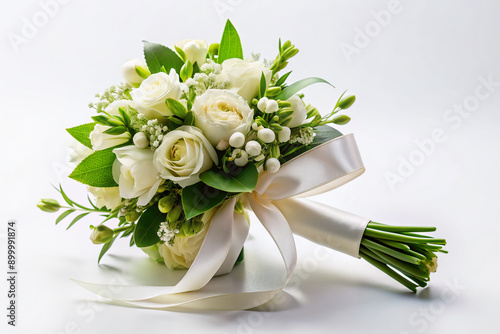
402	253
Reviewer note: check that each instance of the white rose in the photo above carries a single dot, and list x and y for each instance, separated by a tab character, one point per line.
184	250
299	111
220	113
130	74
153	92
137	175
106	197
195	50
101	140
244	76
183	154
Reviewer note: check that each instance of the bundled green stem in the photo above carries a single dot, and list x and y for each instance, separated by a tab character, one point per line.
401	253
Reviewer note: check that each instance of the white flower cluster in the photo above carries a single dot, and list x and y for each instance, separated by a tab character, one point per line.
110	95
152	132
305	136
166	234
208	78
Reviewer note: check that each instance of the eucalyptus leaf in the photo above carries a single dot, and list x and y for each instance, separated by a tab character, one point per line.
159	56
147	227
199	198
96	170
230	44
82	133
241	180
289	91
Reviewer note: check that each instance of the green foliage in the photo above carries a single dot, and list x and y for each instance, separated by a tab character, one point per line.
147	227
160	57
199	198
241	180
96	170
105	248
298	86
82	133
230	44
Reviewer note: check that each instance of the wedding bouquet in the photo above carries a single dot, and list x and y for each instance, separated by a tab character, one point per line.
193	139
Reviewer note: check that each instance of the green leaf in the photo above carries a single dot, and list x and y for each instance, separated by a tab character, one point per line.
324	133
117	130
105	248
64	215
96	170
147	227
199	198
282	79
142	72
289	91
230	44
82	133
77	218
101	119
189	119
181	53
242	180
125	116
158	56
263	85
241	257
176	107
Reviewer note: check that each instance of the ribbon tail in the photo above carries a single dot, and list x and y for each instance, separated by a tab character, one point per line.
209	260
322	224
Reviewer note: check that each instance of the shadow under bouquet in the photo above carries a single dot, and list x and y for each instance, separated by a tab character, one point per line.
197	136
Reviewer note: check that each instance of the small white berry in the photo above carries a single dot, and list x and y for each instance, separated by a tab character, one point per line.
266	135
237	140
140	140
273	165
262	104
271	106
253	148
284	135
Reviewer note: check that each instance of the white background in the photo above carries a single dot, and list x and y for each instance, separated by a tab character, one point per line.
425	59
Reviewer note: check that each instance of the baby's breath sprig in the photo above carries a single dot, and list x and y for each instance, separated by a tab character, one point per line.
111	94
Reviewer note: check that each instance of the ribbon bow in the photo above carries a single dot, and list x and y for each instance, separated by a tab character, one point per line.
275	201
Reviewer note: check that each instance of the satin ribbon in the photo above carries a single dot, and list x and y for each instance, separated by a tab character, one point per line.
275	203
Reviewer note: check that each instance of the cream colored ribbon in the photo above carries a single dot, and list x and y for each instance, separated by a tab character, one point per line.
275	203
